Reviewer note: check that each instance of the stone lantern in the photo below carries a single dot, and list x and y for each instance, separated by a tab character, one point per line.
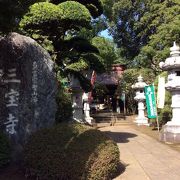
171	130
86	109
77	101
140	98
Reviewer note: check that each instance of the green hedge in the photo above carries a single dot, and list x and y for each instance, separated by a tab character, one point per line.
47	15
4	150
71	151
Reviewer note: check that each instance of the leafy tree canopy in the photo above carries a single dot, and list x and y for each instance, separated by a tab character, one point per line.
64	25
51	19
107	50
144	29
11	12
157	48
94	6
130	77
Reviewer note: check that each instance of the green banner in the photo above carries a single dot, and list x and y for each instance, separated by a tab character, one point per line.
150	102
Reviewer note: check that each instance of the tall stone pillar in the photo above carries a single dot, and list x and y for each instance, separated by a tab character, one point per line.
140	98
86	108
171	130
77	101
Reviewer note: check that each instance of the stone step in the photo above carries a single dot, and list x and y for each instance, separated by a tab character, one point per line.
105	124
108	119
108	115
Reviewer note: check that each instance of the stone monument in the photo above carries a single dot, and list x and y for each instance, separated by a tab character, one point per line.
140	98
171	130
27	88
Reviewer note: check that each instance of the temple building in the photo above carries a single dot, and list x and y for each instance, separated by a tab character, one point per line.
110	81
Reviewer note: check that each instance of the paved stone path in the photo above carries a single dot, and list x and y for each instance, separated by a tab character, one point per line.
144	157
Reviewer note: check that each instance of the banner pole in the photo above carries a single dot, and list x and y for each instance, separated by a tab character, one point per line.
157	119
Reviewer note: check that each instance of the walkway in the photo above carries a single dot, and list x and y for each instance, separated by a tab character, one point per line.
144	157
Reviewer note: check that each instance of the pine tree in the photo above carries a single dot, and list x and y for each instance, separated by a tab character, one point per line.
59	23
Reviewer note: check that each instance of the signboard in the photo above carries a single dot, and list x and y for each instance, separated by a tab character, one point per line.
161	92
150	101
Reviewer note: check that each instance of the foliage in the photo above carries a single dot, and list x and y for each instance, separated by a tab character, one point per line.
99	24
81	45
145	29
164	114
64	106
106	49
166	31
63	23
107	6
100	90
125	14
11	13
128	79
63	100
50	19
94	6
5	150
77	66
71	151
95	61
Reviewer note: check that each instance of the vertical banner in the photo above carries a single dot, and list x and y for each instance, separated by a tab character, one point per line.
161	92
93	79
123	98
150	101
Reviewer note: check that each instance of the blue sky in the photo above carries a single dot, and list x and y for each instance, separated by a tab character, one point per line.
105	34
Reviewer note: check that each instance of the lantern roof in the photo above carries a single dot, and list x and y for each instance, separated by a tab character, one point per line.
172	62
140	84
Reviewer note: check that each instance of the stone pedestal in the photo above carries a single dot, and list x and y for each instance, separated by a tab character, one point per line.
170	133
171	130
77	101
77	106
175	109
86	109
141	119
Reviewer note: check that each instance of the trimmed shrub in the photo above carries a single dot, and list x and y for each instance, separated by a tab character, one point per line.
44	15
4	150
71	151
165	115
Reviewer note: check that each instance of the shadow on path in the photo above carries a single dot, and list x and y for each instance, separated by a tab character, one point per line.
120	137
